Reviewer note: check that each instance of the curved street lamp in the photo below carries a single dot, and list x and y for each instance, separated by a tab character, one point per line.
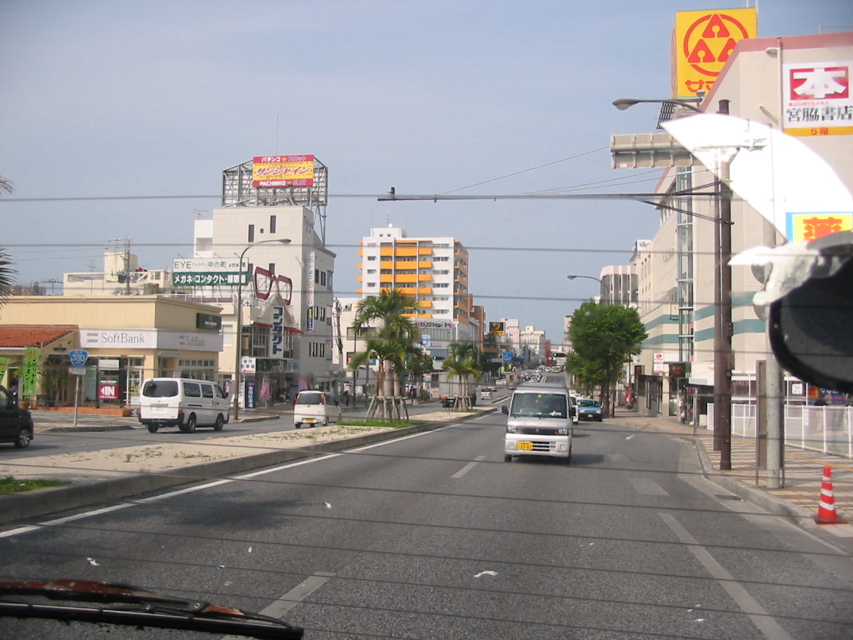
627	103
573	276
238	345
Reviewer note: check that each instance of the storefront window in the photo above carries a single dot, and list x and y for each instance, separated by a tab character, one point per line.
197	369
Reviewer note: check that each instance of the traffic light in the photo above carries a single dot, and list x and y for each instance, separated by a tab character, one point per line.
811	316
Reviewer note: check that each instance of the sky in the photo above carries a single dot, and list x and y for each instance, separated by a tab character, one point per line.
109	99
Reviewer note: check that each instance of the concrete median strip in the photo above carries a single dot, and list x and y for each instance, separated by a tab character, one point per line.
114	474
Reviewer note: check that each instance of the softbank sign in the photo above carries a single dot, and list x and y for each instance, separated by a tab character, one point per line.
151	339
144	339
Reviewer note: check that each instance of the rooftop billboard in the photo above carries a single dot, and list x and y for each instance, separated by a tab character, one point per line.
282	171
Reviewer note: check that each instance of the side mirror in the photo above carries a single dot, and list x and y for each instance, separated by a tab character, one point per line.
809	325
504	410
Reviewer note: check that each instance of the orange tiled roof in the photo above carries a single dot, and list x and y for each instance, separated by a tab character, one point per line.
33	335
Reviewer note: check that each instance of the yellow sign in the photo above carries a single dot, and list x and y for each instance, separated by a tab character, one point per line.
283	171
702	43
811	226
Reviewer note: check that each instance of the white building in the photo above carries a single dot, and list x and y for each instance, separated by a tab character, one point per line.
619	285
121	276
533	345
286	316
297	275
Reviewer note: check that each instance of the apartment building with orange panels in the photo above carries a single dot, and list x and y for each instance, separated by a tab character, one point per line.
433	270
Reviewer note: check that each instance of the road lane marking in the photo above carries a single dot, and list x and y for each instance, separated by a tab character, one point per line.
80	516
468	467
292	598
289	465
18	531
181	492
414	435
647	487
296	595
757	614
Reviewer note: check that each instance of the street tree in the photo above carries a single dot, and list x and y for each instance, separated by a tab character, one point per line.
7	273
386	318
463	362
419	364
604	337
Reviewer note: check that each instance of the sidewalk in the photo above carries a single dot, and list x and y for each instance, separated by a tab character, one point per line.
799	496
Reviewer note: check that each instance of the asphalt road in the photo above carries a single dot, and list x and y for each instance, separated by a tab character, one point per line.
53	437
434	536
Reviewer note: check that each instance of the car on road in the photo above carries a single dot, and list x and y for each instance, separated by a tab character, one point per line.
485	393
315	408
16	424
182	402
539	423
589	409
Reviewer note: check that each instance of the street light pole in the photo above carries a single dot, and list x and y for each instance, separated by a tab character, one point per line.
598	280
238	310
723	355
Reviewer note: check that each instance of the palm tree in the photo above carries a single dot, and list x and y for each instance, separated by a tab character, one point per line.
391	342
7	273
463	362
419	364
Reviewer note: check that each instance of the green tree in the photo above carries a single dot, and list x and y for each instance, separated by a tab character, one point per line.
7	273
464	362
603	337
393	333
419	364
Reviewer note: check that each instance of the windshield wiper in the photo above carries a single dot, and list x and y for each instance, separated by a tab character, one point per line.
129	606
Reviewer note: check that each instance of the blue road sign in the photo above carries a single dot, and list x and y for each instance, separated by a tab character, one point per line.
78	357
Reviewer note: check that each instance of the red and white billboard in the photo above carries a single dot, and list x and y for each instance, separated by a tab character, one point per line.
817	99
282	171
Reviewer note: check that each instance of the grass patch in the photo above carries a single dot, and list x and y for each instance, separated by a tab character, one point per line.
146	454
189	456
10	485
389	424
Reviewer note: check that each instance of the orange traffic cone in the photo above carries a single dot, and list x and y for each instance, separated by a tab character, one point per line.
826	513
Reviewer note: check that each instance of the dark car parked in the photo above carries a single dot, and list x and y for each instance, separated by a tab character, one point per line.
16	424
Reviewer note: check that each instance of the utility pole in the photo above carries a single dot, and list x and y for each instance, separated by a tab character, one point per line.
340	338
127	266
723	364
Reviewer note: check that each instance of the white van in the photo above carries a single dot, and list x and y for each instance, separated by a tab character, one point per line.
539	422
181	402
314	407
